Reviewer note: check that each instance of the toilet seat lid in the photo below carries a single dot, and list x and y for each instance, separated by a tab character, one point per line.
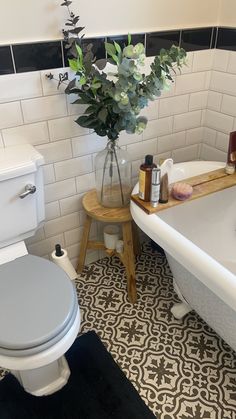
37	301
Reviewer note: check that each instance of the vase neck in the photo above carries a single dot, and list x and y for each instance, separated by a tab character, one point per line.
111	144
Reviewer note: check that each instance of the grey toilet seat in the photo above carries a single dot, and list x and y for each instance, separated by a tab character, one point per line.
38	305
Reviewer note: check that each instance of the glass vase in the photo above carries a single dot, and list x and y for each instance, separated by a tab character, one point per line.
113	176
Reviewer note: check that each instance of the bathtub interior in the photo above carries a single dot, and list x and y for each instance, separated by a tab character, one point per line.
185	170
210	223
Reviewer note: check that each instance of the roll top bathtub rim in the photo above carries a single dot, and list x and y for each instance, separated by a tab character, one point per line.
198	262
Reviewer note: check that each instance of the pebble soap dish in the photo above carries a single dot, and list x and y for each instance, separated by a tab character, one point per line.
181	191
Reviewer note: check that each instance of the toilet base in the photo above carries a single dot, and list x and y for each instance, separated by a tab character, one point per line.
44	380
46	372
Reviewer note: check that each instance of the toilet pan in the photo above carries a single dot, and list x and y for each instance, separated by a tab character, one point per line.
39	320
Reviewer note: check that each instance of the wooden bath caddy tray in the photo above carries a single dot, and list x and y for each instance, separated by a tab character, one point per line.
203	185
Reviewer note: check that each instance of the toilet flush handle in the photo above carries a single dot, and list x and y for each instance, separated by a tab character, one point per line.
29	189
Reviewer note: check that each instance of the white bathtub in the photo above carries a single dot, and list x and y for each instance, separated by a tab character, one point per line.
199	239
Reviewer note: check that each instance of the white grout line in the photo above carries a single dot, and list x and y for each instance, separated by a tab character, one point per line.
13	59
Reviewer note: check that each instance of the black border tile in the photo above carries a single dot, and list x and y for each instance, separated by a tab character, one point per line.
98	46
48	55
6	63
37	56
226	39
155	41
196	39
137	38
122	40
67	54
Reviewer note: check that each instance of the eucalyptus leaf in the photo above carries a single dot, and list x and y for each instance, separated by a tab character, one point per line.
66	3
115	59
86	121
88	61
79	51
69	90
102	132
96	85
117	47
49	76
101	64
79	102
73	65
75	20
76	30
110	48
82	80
102	115
89	46
90	109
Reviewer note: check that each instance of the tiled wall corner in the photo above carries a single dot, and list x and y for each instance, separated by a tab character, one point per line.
220	115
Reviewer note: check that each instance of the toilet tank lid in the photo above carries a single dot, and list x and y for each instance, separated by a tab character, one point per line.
19	160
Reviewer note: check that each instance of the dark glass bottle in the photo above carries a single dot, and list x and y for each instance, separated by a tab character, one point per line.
145	177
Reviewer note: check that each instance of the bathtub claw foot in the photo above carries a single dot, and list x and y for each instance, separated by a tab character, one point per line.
179	310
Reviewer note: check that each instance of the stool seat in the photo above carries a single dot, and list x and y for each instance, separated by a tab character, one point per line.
94	210
38	305
100	213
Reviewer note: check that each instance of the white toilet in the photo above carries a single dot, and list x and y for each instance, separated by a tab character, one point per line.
39	312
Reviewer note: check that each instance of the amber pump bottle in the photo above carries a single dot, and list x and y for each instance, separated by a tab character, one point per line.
145	177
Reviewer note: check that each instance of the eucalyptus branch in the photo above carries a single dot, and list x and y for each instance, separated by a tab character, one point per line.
62	78
114	105
71	41
114	102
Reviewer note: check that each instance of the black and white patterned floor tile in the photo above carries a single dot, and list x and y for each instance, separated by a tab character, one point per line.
181	368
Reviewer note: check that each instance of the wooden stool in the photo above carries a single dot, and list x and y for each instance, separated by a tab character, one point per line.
111	215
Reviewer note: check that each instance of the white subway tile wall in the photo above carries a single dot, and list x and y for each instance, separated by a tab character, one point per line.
20	86
44	108
190	121
11	115
31	133
218	121
210	153
220	115
221	60
214	100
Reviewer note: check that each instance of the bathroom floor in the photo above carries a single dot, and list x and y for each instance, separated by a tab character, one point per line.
181	368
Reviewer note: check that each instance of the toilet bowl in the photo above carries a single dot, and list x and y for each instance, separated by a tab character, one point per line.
39	320
39	312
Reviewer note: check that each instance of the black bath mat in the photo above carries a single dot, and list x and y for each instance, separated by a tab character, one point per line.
97	389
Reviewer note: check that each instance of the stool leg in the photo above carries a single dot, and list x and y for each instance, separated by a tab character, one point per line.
84	243
129	260
136	241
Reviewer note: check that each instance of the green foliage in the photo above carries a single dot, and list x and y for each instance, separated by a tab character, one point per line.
114	104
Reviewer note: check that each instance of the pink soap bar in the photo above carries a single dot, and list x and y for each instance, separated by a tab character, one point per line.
181	191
